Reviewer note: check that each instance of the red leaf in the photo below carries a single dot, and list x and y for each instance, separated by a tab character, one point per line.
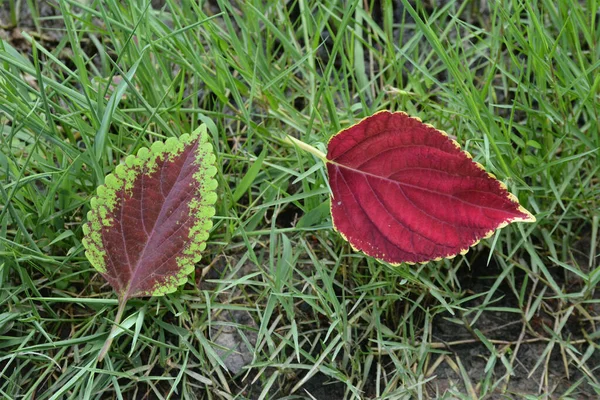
402	191
149	222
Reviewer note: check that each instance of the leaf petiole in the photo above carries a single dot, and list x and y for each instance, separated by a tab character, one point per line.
113	331
318	153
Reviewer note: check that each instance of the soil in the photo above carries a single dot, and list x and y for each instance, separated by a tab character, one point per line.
528	378
49	31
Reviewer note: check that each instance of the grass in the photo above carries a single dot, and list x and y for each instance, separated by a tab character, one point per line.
517	84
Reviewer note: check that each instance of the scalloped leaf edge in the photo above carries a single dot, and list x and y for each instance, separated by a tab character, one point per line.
123	176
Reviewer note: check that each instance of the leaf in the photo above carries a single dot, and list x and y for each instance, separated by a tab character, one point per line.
150	220
402	191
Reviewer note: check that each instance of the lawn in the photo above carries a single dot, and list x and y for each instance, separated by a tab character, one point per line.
281	306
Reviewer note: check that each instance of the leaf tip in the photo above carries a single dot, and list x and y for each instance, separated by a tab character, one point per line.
529	217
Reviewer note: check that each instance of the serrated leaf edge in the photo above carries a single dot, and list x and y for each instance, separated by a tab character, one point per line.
530	217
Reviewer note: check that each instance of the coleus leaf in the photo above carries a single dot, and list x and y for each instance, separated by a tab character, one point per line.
150	220
403	191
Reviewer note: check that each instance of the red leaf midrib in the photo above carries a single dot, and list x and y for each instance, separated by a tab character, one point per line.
420	187
136	268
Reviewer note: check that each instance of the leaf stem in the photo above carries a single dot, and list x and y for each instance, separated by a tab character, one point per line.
306	147
111	336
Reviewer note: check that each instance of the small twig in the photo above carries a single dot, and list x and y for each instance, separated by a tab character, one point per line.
448	345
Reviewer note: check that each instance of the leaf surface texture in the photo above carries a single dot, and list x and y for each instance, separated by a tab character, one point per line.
150	220
403	191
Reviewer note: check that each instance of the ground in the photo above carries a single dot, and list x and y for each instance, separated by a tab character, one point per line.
280	305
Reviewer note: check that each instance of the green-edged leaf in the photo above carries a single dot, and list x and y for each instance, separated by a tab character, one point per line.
150	220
